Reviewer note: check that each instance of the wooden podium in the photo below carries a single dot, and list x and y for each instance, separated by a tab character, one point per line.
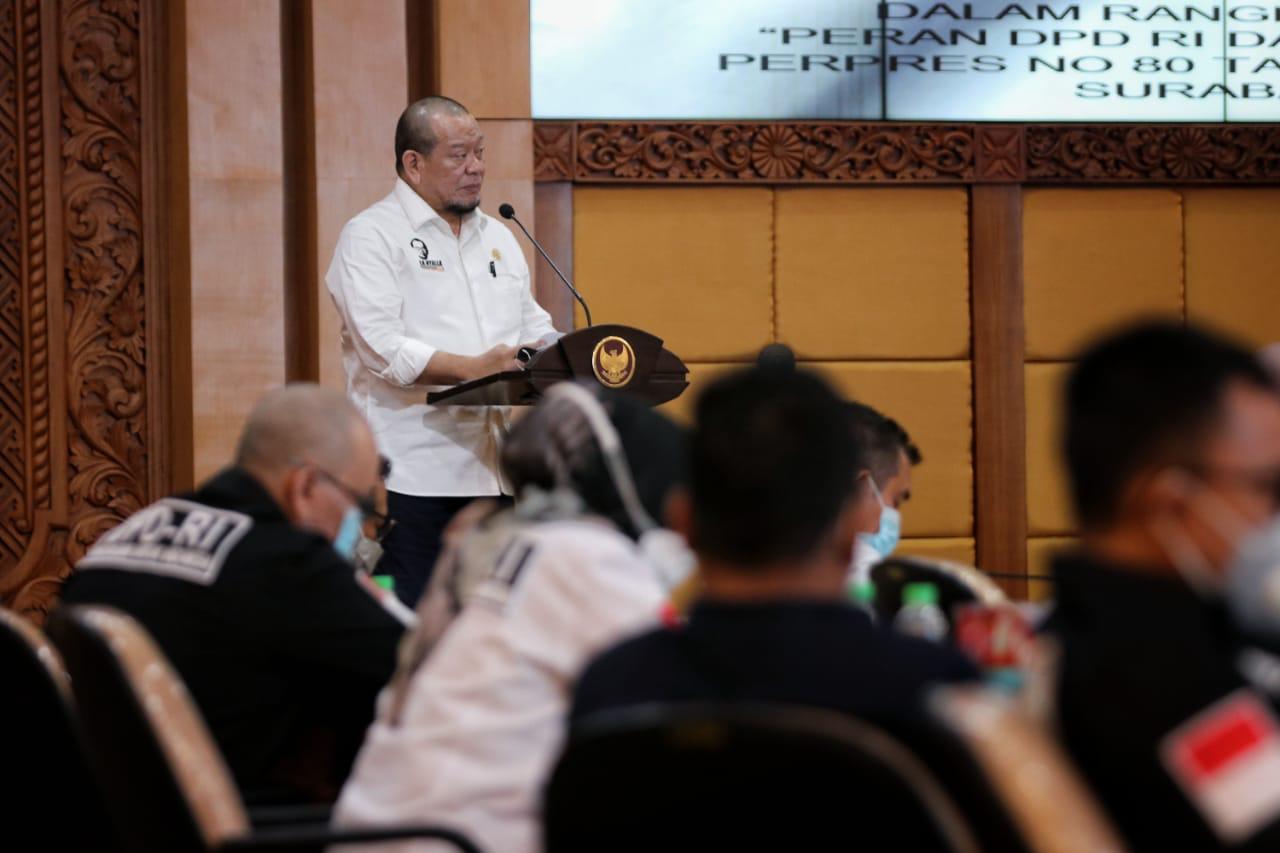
618	357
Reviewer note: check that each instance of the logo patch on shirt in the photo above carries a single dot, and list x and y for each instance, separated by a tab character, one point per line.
173	538
1226	759
424	256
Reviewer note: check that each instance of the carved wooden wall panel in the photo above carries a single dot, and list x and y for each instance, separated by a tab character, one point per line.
856	152
73	324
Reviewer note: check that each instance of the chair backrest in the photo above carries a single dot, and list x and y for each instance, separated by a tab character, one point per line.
956	583
1026	771
46	776
729	776
171	788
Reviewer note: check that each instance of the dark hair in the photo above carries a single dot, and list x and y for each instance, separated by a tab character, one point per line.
1142	398
554	445
414	131
772	466
884	441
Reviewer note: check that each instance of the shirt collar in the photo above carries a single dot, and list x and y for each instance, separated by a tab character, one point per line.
420	213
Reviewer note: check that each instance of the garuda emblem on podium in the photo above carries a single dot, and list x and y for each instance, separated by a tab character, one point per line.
614	362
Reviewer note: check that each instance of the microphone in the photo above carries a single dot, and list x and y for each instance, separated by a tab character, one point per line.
506	211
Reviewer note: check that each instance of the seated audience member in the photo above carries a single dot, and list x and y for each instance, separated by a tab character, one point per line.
890	455
248	588
475	715
771	514
1172	444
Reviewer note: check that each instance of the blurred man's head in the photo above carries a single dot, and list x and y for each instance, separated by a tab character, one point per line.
440	153
1172	444
890	455
309	447
566	440
773	477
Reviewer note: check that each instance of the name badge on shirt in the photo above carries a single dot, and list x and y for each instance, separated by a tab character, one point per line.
173	538
424	256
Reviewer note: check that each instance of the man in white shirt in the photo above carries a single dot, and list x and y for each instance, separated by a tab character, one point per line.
432	292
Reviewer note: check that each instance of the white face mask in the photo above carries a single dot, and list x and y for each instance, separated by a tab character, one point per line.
1253	583
885	540
348	535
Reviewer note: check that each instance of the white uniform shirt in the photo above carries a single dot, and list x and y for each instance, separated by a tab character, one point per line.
484	717
405	287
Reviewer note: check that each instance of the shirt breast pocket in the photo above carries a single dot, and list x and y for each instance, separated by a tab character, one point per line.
507	301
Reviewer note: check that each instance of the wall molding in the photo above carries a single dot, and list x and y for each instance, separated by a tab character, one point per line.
898	153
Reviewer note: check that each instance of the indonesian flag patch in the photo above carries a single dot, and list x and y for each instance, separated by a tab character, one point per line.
1226	759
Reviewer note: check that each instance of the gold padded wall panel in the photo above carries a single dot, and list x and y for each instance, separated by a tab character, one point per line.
955	550
1040	554
873	273
1096	258
693	266
681	408
1048	498
1232	260
933	402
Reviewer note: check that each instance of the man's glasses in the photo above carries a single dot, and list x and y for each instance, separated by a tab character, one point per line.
364	503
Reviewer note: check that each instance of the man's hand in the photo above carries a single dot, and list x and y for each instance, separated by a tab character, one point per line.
496	360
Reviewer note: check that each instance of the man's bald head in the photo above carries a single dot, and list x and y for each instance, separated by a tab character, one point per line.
415	130
298	423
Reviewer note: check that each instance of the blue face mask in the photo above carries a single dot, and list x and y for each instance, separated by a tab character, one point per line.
884	540
348	534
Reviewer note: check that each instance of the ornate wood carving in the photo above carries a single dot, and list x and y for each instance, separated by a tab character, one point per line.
73	345
28	419
855	152
552	152
772	153
105	310
1182	154
1000	154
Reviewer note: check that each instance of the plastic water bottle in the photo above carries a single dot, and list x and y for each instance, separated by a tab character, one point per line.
920	615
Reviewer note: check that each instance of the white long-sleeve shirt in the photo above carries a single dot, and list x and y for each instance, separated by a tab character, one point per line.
482	720
405	286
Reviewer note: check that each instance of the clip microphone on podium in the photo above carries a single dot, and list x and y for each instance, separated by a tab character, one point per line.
617	357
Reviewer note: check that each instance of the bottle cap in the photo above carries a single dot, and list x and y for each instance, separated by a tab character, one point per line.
919	595
864	592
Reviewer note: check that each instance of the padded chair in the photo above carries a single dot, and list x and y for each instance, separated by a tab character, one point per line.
723	777
46	782
956	583
169	786
1021	772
